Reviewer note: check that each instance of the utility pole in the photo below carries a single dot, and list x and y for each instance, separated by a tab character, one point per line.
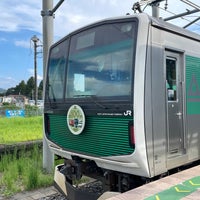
35	40
153	3
155	7
47	5
47	14
155	10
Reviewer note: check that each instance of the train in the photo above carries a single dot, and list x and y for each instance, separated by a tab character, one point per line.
122	101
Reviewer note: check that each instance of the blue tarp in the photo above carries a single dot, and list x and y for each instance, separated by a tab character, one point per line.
15	113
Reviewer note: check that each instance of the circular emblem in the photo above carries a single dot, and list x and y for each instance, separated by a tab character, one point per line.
75	119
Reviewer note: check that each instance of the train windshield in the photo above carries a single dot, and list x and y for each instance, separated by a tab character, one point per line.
96	62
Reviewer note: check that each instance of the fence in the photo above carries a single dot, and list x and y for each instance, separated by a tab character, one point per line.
27	112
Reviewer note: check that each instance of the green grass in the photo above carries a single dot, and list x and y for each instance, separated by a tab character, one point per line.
22	172
20	129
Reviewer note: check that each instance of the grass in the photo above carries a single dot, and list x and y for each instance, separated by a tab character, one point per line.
23	172
20	129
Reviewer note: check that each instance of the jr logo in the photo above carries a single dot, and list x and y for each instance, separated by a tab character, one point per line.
128	112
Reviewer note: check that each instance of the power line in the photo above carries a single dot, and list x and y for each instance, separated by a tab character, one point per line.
155	4
183	18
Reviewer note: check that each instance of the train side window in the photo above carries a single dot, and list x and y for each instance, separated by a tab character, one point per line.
171	79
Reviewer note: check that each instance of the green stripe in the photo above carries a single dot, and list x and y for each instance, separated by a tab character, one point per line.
102	136
193	85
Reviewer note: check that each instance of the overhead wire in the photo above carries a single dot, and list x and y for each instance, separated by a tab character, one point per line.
183	18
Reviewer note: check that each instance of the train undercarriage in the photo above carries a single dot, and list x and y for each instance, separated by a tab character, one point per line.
85	180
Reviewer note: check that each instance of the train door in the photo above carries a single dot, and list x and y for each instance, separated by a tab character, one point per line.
174	100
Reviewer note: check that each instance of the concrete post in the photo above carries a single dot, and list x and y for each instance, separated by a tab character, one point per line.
155	10
47	6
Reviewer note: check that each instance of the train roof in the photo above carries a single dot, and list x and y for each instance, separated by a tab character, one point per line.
161	24
155	22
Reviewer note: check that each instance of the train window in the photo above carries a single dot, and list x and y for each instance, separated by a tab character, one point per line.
171	83
100	61
56	71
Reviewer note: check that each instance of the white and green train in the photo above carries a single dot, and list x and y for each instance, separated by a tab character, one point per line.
122	100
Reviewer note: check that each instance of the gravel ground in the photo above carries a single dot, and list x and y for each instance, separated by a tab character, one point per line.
51	193
93	187
54	197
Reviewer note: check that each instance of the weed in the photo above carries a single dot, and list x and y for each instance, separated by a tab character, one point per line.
33	176
23	172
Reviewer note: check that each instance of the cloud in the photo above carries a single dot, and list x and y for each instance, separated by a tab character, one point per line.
71	14
7	21
23	43
22	15
7	82
2	39
31	73
39	78
75	14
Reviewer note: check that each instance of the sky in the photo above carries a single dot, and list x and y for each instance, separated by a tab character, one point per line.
21	20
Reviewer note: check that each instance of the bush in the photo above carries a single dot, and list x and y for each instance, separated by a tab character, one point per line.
33	111
8	106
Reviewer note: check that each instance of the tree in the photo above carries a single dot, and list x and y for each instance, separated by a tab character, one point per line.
30	88
21	88
40	90
26	89
10	91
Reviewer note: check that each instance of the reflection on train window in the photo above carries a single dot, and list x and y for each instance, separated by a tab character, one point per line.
56	72
171	82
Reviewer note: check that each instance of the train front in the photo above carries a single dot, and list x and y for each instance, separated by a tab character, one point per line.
89	99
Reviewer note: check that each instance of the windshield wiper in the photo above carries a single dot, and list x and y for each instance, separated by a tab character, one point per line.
93	98
52	105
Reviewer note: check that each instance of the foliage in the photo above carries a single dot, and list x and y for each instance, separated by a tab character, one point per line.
19	129
30	88
29	110
23	172
21	88
29	107
32	111
40	90
8	106
26	89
